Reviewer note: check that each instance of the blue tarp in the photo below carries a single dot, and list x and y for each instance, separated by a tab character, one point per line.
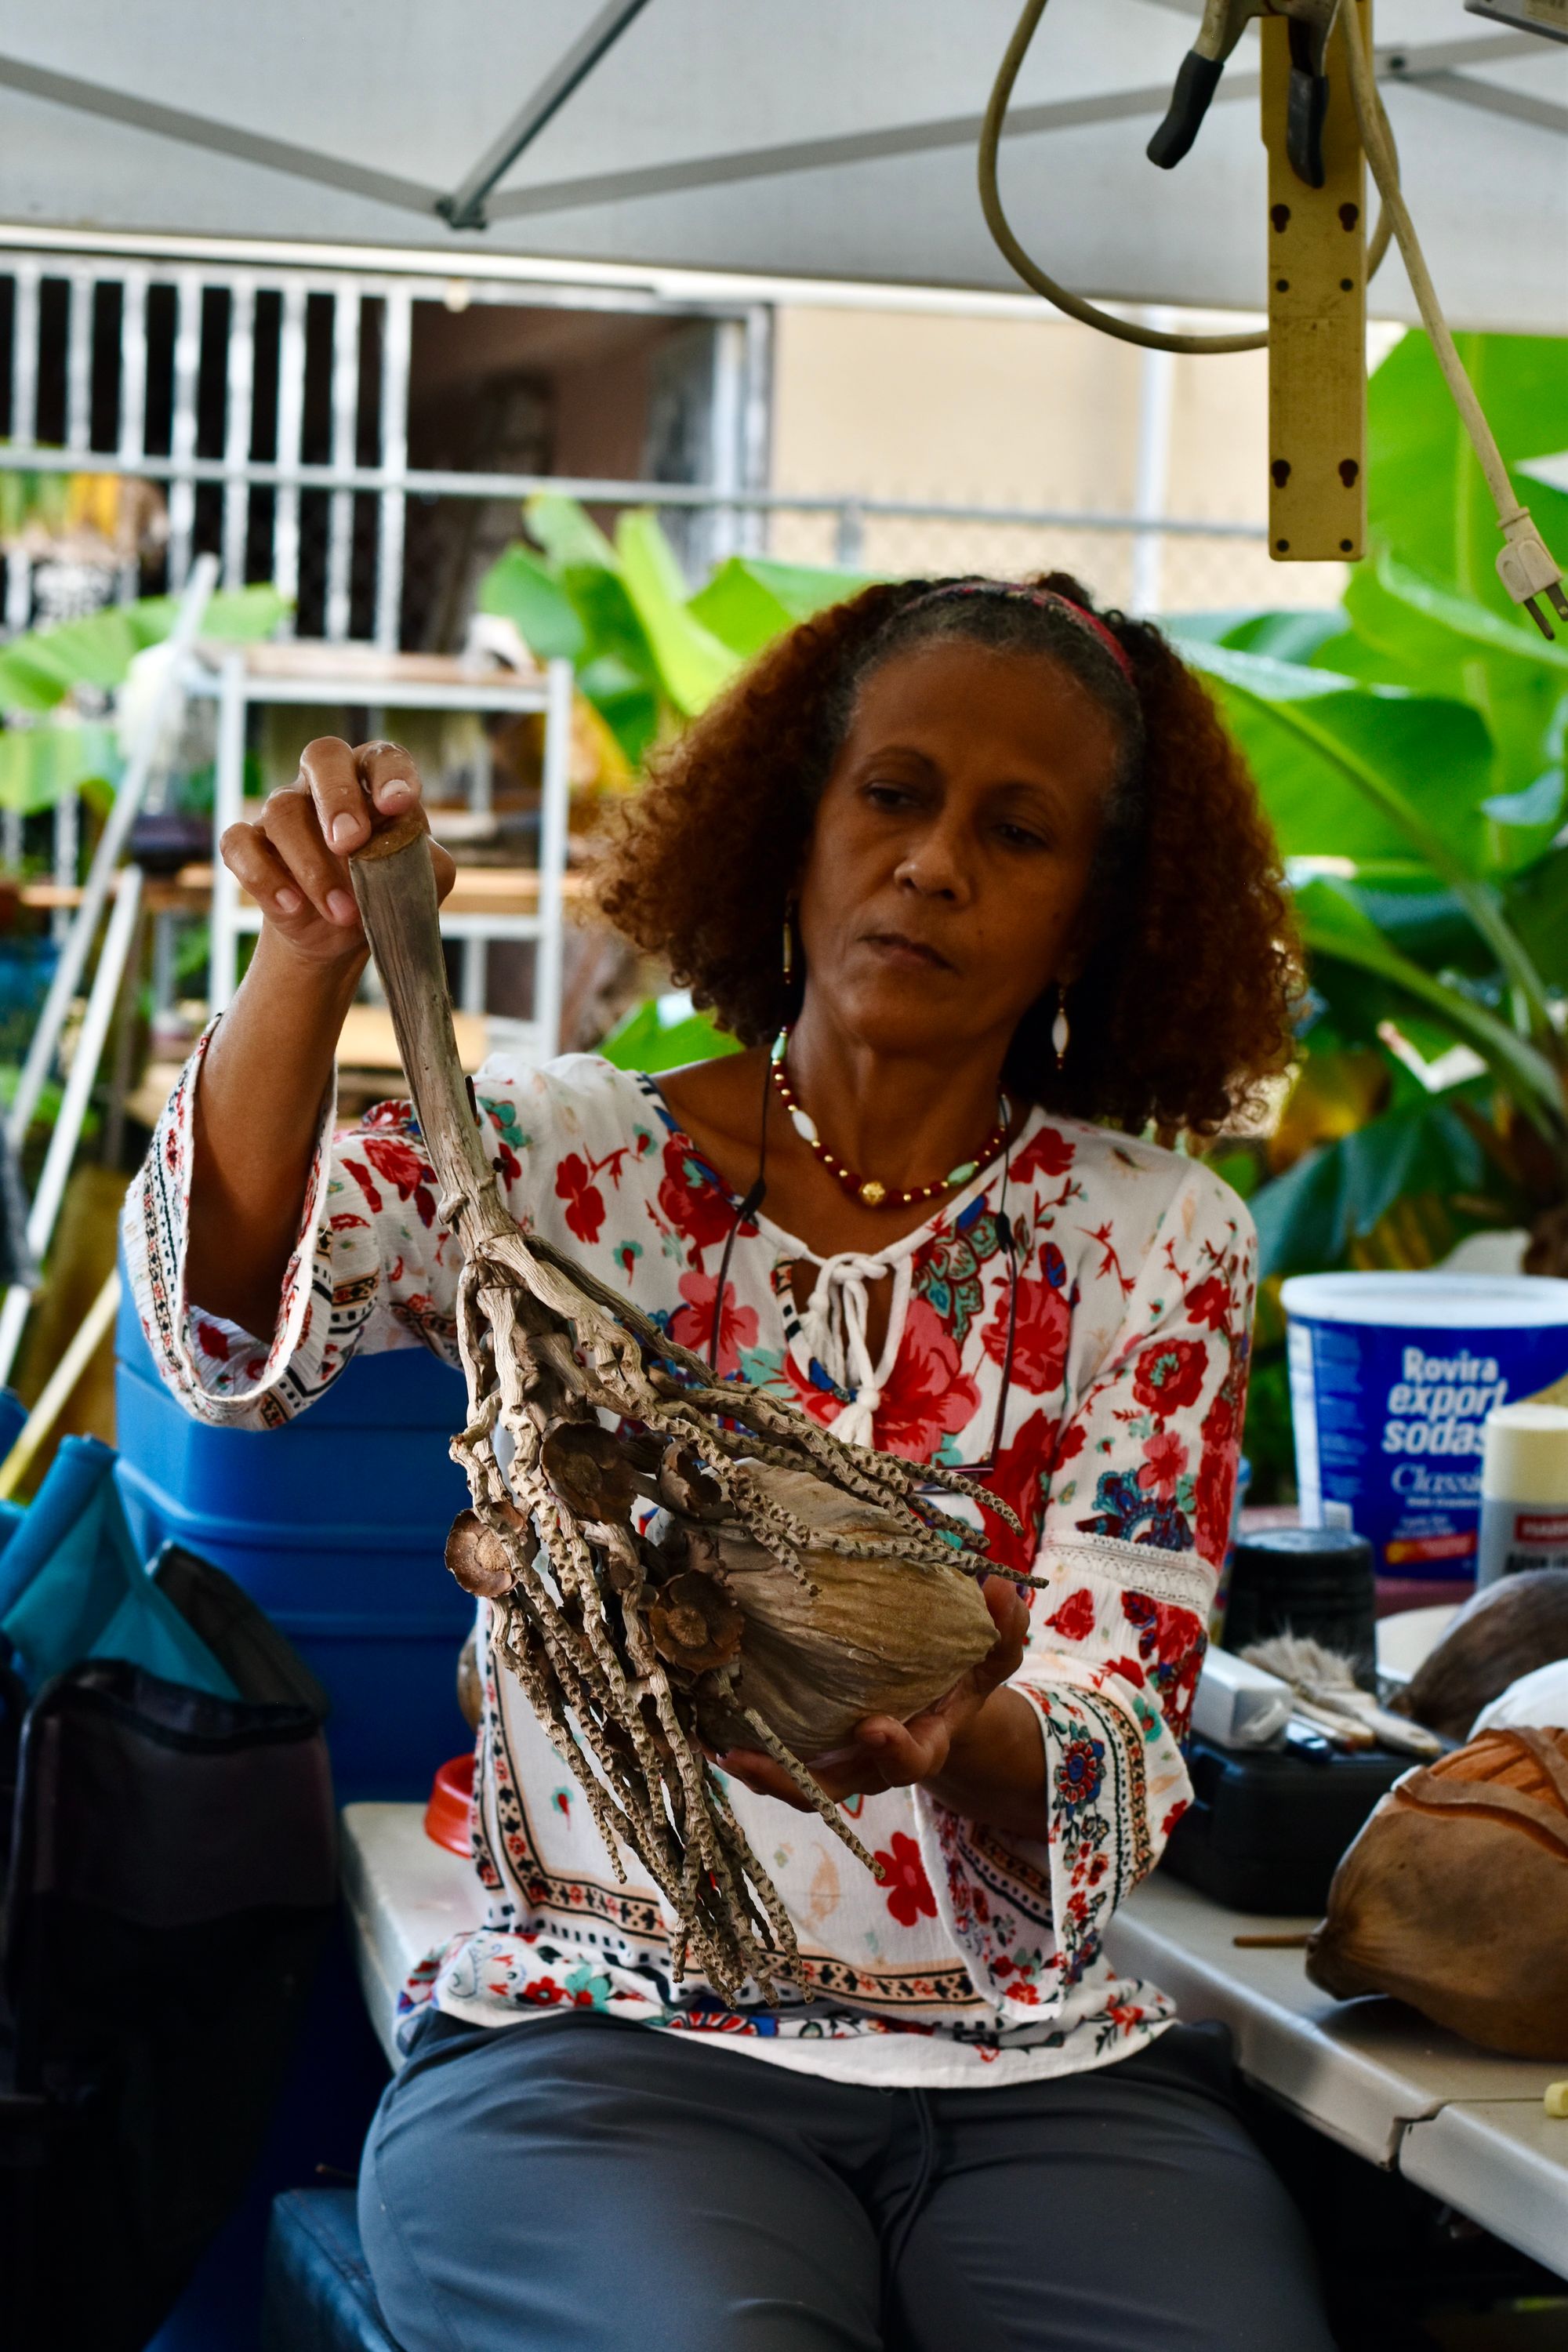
73	1584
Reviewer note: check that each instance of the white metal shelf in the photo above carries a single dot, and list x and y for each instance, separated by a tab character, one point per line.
240	678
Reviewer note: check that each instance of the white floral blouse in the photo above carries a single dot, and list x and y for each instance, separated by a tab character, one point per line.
1125	1306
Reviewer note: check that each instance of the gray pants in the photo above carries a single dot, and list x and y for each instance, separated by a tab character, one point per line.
581	2184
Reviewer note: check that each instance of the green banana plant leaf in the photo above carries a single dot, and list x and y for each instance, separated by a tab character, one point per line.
40	765
1536	905
693	666
519	588
1336	930
1332	759
750	600
567	532
663	1032
1309	1217
40	670
1427	498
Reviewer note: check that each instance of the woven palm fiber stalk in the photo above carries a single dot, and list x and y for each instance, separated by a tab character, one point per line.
1455	1896
785	1585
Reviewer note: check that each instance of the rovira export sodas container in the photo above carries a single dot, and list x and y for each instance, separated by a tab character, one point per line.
1392	1378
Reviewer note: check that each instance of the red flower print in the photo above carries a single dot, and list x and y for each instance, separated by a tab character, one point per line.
693	1203
822	1404
1172	1817
1219	1421
1129	1669
1215	1492
1169	1374
929	1396
1165	1459
212	1341
692	1324
1209	1304
1044	1321
1171	1641
584	1203
1074	1620
1021	1476
1045	1153
905	1883
399	1165
1079	1773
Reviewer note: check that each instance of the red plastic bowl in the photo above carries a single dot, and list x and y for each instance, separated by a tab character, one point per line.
451	1794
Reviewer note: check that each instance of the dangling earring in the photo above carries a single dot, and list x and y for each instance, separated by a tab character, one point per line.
1060	1032
789	942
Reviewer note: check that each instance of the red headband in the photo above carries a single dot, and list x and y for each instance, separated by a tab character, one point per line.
1020	593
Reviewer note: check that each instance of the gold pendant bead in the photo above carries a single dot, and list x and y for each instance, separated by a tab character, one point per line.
870	1190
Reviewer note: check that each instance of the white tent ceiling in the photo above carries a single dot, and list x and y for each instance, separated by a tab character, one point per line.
821	138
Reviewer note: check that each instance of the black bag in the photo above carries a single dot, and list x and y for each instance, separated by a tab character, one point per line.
1267	1826
172	1879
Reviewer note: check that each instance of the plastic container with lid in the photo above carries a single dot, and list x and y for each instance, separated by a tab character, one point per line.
1315	1582
1392	1378
1525	1489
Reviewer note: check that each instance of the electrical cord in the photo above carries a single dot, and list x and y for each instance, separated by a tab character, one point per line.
1126	330
1525	562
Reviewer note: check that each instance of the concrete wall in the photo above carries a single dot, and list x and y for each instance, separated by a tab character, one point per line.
1022	413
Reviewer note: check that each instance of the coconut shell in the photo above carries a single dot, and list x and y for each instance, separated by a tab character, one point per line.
1455	1896
1507	1629
854	1637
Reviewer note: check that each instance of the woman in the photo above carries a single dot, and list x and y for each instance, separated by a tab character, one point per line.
978	879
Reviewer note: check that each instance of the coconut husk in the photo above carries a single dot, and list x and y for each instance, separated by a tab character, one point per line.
673	1565
1455	1896
1506	1630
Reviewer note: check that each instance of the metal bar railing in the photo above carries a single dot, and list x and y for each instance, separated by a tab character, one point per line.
417	482
111	841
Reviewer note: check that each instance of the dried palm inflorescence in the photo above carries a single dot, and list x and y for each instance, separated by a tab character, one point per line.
785	1585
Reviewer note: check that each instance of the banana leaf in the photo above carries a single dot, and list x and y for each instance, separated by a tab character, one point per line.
692	663
750	601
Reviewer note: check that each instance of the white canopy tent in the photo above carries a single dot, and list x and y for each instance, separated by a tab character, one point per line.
820	140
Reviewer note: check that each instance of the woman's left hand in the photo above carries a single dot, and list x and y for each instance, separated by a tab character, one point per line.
887	1754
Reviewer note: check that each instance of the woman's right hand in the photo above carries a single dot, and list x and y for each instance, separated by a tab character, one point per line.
294	859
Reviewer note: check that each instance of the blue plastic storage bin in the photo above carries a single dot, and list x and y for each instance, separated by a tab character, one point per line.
336	1524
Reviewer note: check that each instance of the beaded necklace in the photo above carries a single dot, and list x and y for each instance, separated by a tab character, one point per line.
870	1190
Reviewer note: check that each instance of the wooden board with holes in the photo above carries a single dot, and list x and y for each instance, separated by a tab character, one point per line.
1316	320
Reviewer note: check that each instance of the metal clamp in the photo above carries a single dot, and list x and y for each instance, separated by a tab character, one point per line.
1224	21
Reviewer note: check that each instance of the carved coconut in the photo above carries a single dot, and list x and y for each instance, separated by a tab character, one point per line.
1455	1896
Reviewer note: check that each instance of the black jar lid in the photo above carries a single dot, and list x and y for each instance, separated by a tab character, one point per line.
1282	1548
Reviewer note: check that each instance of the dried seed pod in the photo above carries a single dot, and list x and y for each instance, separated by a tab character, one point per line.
479	1558
694	1623
686	1486
1455	1896
590	1469
1506	1630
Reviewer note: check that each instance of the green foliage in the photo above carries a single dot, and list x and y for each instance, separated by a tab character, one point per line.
60	752
663	1032
1410	749
40	670
648	657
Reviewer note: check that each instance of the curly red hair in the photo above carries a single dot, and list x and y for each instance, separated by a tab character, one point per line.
1187	998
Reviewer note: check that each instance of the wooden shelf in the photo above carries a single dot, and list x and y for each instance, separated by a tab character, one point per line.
479	890
306	661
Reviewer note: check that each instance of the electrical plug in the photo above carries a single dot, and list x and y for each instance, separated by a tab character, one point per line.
1527	570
